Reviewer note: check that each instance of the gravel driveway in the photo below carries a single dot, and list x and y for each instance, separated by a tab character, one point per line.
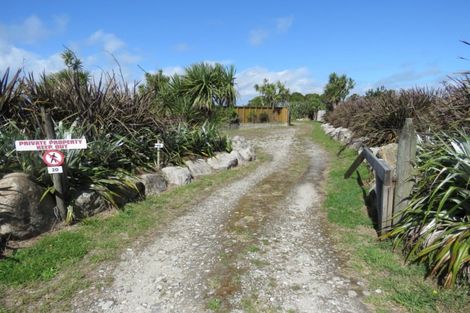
299	272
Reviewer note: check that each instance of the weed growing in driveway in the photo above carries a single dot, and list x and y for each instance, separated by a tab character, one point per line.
214	304
392	285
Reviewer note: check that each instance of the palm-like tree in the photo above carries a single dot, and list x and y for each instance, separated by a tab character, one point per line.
337	90
207	85
272	95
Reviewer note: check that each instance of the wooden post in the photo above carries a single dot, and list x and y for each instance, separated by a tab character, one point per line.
388	189
406	157
288	116
384	192
59	185
383	187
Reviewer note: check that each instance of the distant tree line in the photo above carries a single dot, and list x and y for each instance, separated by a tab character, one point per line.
303	105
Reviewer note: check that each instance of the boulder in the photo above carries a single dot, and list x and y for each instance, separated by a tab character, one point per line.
223	160
344	135
375	150
239	142
335	133
388	153
125	194
22	214
246	155
321	115
177	175
246	152
198	167
88	203
154	183
327	128
357	143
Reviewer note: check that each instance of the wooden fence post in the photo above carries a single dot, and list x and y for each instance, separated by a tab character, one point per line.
59	183
406	157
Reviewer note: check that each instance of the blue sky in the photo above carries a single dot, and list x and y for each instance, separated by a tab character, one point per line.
398	44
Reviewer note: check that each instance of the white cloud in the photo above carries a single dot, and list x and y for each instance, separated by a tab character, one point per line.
110	42
298	79
408	77
113	57
223	62
258	36
180	70
128	58
284	23
14	58
171	70
29	31
32	29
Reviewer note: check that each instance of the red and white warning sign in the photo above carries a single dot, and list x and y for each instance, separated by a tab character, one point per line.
53	158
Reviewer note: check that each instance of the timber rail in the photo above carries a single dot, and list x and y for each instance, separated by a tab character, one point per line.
392	191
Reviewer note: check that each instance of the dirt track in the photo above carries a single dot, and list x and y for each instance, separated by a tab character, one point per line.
255	245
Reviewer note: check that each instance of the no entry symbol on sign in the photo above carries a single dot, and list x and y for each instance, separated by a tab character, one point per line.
53	158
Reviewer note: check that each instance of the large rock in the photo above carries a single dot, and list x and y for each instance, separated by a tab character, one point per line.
345	136
22	214
177	175
342	134
389	154
223	161
88	203
327	128
154	183
357	143
239	142
247	155
124	194
245	150
198	167
321	115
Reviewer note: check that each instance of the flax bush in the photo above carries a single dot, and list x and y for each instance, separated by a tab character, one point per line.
380	117
120	122
435	226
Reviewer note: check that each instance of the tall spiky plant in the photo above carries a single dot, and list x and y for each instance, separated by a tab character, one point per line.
207	85
435	226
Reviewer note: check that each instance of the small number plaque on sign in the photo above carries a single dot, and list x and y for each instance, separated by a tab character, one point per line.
55	169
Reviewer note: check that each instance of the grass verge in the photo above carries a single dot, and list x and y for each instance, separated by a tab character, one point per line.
393	286
46	276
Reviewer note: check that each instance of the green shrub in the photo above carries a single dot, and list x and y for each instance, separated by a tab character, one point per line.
121	125
380	116
435	226
306	109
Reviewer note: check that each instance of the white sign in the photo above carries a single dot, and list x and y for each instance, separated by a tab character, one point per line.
159	145
50	144
55	169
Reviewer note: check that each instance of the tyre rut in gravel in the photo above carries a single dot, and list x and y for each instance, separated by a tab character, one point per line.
168	276
296	269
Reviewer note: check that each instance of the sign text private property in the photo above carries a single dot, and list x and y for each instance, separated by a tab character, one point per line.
50	144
